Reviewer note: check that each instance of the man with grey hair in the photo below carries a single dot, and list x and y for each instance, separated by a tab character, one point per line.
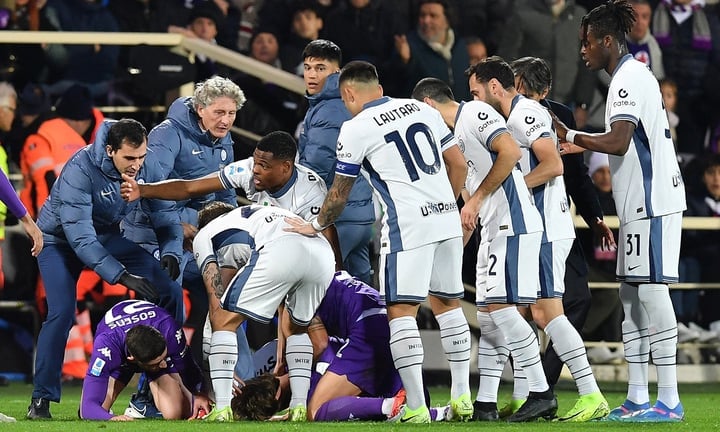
193	141
8	105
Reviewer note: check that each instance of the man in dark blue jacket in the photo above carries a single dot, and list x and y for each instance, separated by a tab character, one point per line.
80	222
317	148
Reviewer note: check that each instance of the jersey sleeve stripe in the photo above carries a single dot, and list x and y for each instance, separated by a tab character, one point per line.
225	180
494	135
626	117
347	169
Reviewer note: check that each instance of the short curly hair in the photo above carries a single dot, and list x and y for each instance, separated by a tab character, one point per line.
212	88
257	400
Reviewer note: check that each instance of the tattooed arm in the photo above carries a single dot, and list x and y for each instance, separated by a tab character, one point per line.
333	205
213	280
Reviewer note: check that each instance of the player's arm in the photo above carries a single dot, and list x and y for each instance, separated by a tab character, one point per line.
331	235
549	162
615	142
508	154
456	168
175	190
98	395
333	205
318	336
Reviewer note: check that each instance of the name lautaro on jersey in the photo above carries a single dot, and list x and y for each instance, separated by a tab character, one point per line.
396	113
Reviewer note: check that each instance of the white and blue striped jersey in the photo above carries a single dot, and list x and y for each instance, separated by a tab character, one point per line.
509	210
399	143
646	180
241	233
303	194
528	122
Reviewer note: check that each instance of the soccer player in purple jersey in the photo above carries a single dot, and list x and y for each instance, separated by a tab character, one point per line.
137	336
354	377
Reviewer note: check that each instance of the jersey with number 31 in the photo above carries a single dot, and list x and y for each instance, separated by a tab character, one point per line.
399	144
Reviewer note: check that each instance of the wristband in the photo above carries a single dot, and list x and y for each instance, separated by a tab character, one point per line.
570	136
316	225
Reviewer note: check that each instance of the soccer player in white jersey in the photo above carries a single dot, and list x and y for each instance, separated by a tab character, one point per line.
270	177
493	81
414	164
507	261
278	268
649	197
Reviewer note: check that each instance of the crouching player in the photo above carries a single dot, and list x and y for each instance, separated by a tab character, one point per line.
354	377
137	336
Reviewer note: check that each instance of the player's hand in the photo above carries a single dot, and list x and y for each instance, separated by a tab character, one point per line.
560	128
129	189
238	384
469	213
569	148
202	405
604	235
34	232
140	285
121	418
300	226
171	265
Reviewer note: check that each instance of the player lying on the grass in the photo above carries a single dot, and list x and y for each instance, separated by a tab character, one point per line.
354	377
137	336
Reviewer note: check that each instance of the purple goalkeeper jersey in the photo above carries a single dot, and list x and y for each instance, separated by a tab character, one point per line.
109	356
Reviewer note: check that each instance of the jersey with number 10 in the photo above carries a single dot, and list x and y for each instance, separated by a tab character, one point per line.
646	180
399	144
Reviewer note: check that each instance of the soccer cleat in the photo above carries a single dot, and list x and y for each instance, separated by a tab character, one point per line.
589	407
39	409
627	410
142	407
511	408
220	415
461	408
420	415
535	408
298	414
398	402
485	411
660	413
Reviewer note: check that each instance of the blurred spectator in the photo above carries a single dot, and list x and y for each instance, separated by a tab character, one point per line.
690	41
477	50
641	43
45	152
33	108
365	30
702	246
433	50
306	26
248	21
669	91
149	15
549	30
203	23
269	107
23	63
276	15
485	19
92	65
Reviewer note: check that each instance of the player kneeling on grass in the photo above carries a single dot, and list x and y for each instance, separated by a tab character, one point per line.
137	336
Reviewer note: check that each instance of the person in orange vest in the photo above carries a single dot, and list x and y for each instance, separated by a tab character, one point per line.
45	152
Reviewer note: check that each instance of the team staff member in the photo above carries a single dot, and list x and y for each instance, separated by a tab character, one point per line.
81	228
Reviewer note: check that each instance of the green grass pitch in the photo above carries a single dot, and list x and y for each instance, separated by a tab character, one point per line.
702	408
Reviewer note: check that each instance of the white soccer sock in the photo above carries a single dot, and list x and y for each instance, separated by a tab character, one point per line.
299	357
492	356
455	337
570	348
223	354
520	383
523	345
663	339
407	351
636	344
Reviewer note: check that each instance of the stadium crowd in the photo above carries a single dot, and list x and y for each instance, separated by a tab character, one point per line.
525	105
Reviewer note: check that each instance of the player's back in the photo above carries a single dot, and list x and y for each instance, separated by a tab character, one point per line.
399	144
646	180
347	301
